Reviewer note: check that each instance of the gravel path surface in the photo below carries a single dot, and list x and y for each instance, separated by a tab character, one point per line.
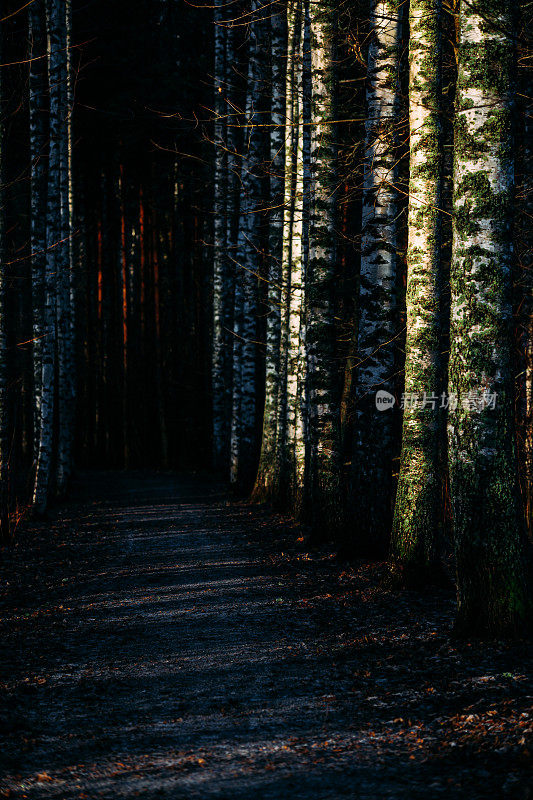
160	641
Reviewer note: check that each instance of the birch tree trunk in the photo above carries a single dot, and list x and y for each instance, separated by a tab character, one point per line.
65	321
235	445
38	143
233	309
491	587
71	347
527	314
267	472
296	354
249	264
280	491
373	434
54	259
524	299
4	425
418	512
220	277
324	441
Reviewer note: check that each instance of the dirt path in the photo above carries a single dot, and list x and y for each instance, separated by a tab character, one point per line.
160	642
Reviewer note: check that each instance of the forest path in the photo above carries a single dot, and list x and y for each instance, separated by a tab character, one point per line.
159	641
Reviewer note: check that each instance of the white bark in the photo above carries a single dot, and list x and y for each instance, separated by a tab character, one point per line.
377	300
54	262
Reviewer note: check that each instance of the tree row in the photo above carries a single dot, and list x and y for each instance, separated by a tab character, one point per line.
372	325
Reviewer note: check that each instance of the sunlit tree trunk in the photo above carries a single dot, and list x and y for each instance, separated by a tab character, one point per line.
418	511
324	460
249	263
267	472
491	591
373	430
281	492
220	255
38	153
296	320
4	425
54	259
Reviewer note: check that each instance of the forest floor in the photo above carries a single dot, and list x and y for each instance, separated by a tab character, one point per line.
160	641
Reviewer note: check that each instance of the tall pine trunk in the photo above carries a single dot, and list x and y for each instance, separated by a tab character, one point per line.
418	511
491	587
324	434
373	434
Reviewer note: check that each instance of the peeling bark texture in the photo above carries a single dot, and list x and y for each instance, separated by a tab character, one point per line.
53	260
220	262
418	511
324	421
267	472
38	153
491	587
373	430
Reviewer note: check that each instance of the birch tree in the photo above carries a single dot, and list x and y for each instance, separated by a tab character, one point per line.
418	511
243	433
267	472
71	348
292	398
296	388
527	316
64	279
220	348
491	586
233	305
289	145
524	288
373	435
38	191
324	442
54	258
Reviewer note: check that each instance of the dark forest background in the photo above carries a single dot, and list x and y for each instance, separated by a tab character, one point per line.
142	188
